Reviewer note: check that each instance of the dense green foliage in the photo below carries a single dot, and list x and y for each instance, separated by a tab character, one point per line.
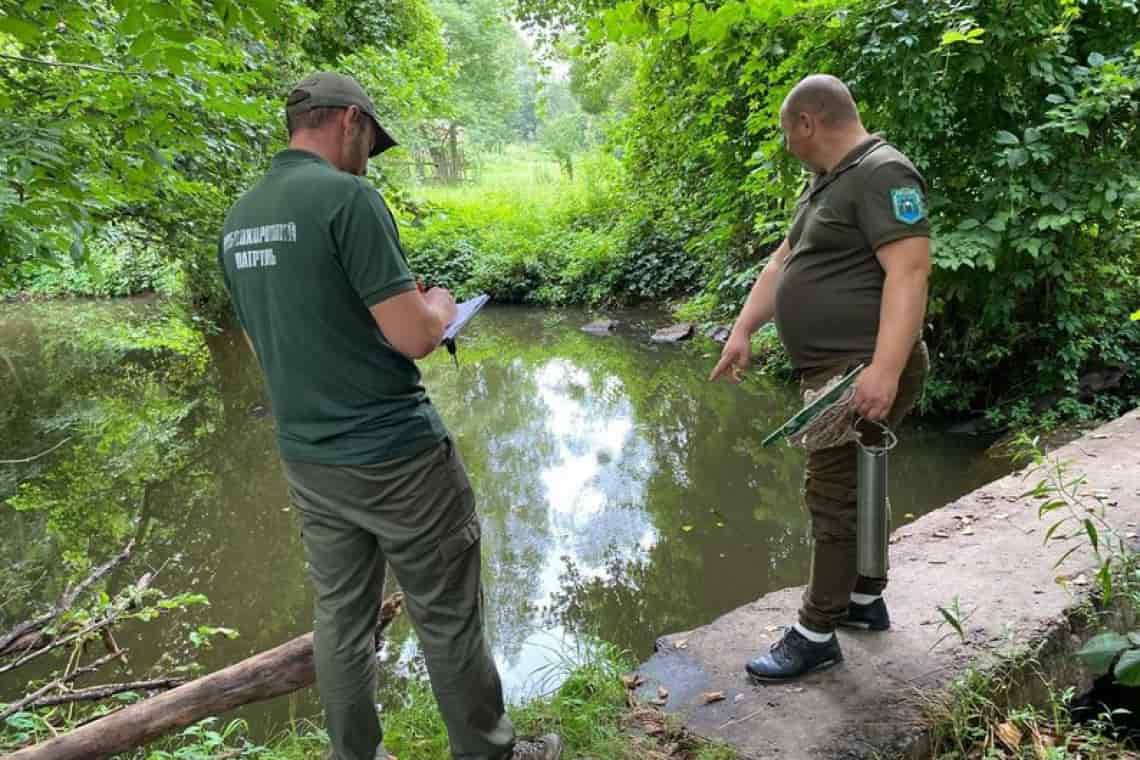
132	125
1022	116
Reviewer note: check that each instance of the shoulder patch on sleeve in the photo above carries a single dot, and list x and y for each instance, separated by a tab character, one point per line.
907	204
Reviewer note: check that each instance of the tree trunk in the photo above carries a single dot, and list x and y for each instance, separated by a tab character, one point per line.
279	671
453	152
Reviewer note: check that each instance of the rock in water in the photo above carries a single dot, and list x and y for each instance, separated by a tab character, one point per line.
719	334
674	334
600	327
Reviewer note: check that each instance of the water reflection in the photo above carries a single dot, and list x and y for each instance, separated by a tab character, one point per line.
621	495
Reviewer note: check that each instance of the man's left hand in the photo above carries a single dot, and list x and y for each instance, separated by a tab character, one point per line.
875	392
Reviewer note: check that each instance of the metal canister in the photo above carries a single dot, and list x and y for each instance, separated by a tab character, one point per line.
873	443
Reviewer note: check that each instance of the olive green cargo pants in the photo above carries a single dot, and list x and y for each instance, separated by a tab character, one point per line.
830	483
417	514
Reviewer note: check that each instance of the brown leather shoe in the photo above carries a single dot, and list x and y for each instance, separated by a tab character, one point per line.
547	747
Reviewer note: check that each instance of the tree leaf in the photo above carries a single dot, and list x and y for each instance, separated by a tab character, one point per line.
133	22
1127	671
1017	157
1006	138
22	30
142	44
1101	650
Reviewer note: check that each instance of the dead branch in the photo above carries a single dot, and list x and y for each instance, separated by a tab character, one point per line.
96	693
34	697
65	602
103	622
34	457
270	674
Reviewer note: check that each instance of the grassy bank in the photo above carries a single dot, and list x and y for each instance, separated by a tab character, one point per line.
590	710
525	233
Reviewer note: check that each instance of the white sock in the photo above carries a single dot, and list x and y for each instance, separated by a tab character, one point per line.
865	599
810	635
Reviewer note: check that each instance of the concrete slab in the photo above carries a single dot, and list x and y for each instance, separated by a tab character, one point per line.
985	548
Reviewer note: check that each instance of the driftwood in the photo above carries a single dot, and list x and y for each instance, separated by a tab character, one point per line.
279	671
28	635
98	626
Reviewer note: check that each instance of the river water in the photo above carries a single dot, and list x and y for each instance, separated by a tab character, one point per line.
622	496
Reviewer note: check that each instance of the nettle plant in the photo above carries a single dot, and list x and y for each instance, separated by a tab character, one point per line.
1079	518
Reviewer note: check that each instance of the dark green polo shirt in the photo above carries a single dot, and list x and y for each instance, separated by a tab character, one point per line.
305	253
831	289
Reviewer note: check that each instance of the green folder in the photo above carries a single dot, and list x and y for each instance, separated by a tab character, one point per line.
800	419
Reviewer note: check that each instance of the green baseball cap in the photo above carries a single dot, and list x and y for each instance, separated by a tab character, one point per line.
328	89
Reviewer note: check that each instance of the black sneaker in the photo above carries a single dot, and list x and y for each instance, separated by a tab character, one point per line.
547	747
867	617
793	656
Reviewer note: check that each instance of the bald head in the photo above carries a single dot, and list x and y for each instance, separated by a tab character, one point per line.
824	97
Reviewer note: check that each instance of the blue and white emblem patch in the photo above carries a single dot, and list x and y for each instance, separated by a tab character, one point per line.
907	204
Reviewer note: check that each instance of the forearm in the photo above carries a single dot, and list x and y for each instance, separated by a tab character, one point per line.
761	304
900	318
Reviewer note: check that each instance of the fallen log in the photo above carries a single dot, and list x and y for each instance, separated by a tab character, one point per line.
263	676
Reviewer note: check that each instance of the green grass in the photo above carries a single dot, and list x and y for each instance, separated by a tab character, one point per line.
521	175
589	710
525	233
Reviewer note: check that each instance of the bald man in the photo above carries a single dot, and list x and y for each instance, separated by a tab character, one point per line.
847	286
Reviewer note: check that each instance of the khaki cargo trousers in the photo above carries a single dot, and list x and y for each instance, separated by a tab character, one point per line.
417	514
830	483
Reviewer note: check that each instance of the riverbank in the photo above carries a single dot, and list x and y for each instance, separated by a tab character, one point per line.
592	710
977	598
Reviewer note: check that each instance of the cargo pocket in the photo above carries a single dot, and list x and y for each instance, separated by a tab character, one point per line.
459	604
459	541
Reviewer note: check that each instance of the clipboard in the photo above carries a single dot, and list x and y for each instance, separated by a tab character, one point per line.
800	419
465	312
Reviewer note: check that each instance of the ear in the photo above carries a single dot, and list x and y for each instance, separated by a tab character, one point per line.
349	119
806	122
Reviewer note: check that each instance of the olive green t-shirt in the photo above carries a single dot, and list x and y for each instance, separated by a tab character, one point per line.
305	253
831	288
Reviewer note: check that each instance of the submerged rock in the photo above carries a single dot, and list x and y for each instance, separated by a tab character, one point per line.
673	334
719	334
600	327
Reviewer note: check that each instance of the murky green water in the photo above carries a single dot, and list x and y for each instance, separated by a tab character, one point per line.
621	495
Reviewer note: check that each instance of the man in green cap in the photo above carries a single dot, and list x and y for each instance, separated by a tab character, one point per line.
312	260
846	287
